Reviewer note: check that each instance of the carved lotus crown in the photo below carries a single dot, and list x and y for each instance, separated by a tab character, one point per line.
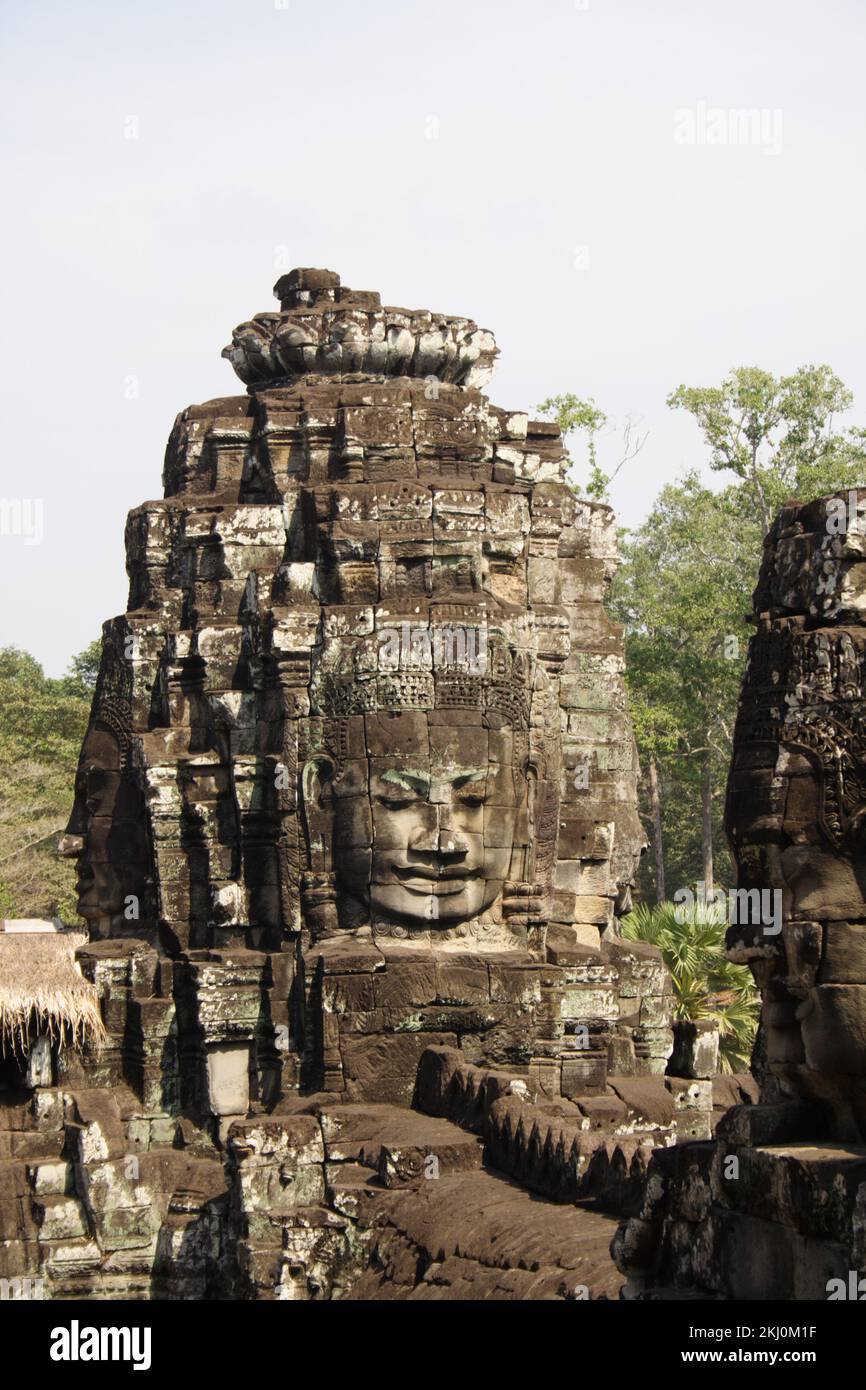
325	329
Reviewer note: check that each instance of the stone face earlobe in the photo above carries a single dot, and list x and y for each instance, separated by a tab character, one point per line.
317	802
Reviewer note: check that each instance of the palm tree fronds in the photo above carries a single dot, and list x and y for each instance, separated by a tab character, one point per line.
706	984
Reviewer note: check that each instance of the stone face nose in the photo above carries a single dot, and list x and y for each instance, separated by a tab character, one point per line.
450	843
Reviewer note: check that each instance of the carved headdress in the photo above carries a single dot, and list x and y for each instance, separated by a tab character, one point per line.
424	668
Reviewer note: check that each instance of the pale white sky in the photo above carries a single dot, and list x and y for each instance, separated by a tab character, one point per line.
555	206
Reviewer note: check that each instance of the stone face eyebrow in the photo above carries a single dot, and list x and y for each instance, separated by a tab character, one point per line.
409	781
422	781
476	775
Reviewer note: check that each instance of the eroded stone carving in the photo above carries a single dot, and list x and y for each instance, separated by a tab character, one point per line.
107	832
326	329
796	806
366	683
358	788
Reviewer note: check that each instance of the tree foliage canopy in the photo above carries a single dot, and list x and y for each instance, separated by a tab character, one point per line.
41	730
684	588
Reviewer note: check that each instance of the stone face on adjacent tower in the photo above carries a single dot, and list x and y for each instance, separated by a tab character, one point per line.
774	1208
797	805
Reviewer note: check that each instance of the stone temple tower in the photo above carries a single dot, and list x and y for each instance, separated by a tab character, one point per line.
358	789
366	698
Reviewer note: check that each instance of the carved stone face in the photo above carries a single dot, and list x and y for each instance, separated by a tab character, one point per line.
796	824
426	832
106	834
775	817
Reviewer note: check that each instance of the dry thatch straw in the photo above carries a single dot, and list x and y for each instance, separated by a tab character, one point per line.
42	990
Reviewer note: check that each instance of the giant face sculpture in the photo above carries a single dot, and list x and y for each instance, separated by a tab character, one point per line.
299	772
796	806
107	833
428	835
424	818
107	836
443	824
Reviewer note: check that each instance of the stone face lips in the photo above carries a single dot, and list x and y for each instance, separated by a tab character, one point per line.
326	329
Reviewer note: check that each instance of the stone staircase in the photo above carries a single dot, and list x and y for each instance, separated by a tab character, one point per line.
361	1200
488	1187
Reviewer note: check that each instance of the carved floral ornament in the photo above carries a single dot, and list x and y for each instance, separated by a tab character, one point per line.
326	329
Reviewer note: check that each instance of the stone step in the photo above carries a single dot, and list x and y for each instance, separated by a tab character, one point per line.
478	1235
16	1215
95	1129
351	1188
31	1146
399	1144
71	1259
16	1110
53	1178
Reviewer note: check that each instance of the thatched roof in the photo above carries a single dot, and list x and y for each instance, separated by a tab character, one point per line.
42	989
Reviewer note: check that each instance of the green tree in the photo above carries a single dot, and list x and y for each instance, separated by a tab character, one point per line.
576	416
777	435
706	984
684	590
682	594
83	670
41	728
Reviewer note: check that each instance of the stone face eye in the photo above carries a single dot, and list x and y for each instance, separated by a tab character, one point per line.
396	803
